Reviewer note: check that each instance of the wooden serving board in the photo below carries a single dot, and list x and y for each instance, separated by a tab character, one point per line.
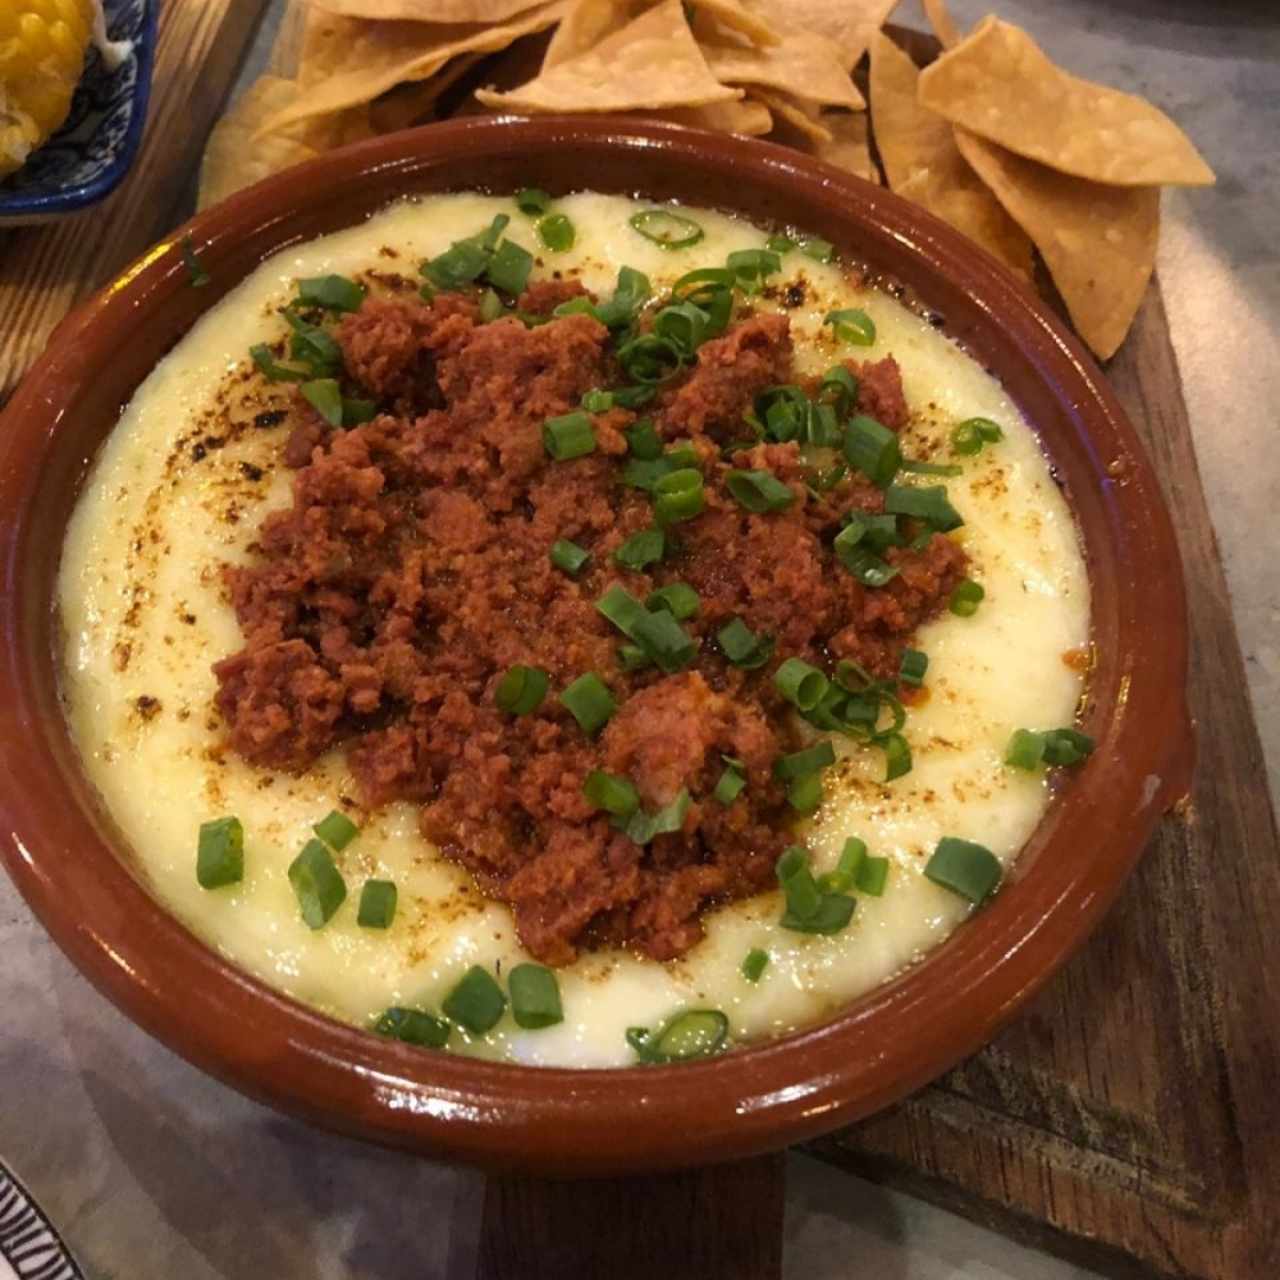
1130	1119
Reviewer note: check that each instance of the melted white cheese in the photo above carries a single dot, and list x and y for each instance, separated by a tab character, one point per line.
145	616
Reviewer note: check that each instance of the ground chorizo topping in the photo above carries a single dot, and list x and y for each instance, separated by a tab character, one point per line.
587	585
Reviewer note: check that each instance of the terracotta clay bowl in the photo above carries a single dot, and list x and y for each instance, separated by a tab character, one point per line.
60	847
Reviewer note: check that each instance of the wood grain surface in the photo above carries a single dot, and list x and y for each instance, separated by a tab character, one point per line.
46	270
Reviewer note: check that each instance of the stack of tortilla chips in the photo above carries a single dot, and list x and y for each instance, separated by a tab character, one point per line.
992	137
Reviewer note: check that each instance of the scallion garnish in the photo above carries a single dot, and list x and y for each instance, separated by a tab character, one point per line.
897	755
1025	750
801	684
311	345
799	763
840	388
336	830
476	1003
509	268
461	263
631	657
873	449
597	401
750	267
927	503
1066	746
678	598
622	609
331	293
845	874
665	641
784	411
568	556
969	869
696	1033
966	598
809	909
863	563
642	827
678	496
667	229
557	232
641	550
730	785
852	325
197	276
490	306
377	904
569	436
589	702
643	441
804	794
913	667
632	397
744	647
535	997
318	884
220	853
533	201
521	690
325	398
818	249
755	964
631	293
272	368
650	358
872	875
914	467
759	491
611	793
778	243
354	412
413	1026
966	439
683	324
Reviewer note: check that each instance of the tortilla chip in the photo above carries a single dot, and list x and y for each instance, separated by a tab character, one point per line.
347	61
237	155
803	65
414	102
750	118
734	16
798	123
998	84
849	148
923	164
586	24
943	24
650	64
1098	241
848	24
452	11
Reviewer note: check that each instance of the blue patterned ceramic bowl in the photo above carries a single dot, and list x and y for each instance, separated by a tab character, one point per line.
85	160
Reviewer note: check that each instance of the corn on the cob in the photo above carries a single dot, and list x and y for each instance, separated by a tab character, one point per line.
42	49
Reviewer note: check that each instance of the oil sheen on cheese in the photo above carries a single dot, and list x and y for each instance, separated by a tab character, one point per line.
181	487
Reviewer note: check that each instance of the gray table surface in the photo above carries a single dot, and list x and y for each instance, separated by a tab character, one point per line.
152	1169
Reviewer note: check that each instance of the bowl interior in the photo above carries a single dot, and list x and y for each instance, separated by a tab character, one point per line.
61	849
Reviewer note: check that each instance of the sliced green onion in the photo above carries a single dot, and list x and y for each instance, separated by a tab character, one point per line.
750	267
696	1033
578	306
557	232
631	657
683	324
569	436
897	756
521	690
840	388
641	550
611	793
810	760
873	449
1025	750
642	827
325	398
665	641
822	429
744	647
852	325
458	265
804	794
336	830
965	868
778	243
589	702
833	916
632	291
988	430
913	668
414	1027
650	358
311	345
678	598
730	785
490	306
331	293
966	439
802	685
197	276
872	875
568	556
701	281
377	904
643	441
220	853
632	397
678	496
845	875
798	885
621	608
823	481
597	401
784	412
533	201
535	997
755	964
966	598
1066	746
818	249
476	1003
866	566
759	491
666	229
354	412
913	467
272	369
879	532
318	884
927	503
